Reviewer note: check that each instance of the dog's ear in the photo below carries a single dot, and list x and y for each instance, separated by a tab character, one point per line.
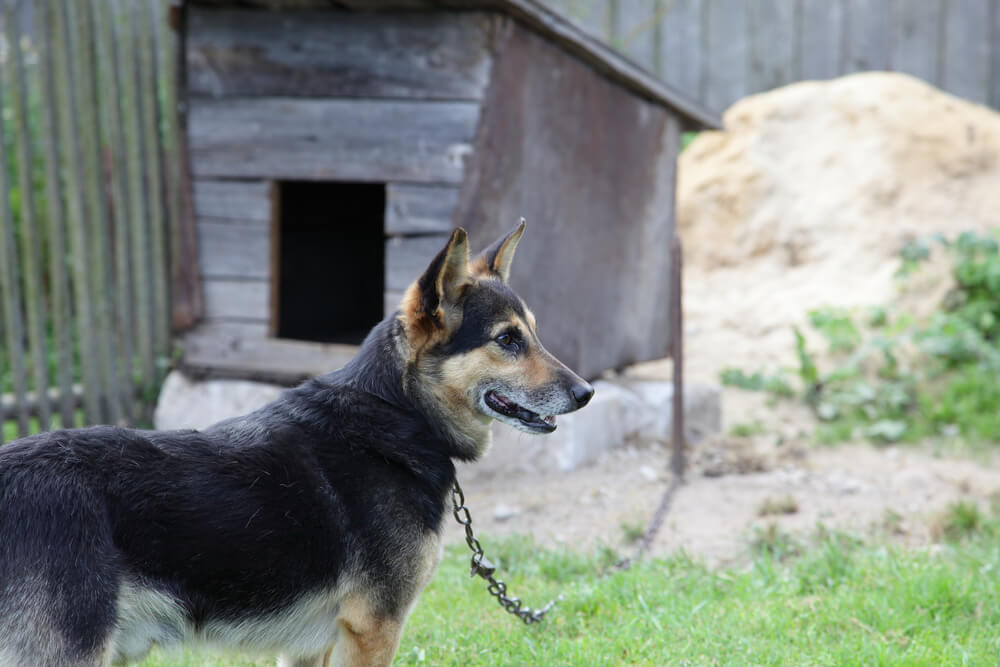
447	275
498	256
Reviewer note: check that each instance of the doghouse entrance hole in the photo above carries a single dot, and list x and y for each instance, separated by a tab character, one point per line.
331	260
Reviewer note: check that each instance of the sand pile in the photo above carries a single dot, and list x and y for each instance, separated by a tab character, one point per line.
806	198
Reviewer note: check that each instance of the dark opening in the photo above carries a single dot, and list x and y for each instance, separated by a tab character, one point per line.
331	260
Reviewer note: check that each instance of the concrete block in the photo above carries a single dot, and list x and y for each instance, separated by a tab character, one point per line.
187	403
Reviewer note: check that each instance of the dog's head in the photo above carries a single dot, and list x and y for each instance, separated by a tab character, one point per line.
473	351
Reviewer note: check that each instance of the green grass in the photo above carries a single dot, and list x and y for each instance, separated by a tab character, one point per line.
833	601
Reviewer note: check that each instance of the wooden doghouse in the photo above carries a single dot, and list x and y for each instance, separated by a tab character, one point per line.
334	145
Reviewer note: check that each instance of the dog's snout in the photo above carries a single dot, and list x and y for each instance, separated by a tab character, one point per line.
582	393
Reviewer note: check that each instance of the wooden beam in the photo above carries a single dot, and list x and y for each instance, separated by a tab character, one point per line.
234	201
343	140
237	299
406	257
333	54
225	351
419	209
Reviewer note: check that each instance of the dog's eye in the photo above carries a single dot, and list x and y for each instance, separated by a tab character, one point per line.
508	341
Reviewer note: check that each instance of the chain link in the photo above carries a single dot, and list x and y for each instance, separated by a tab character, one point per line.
482	567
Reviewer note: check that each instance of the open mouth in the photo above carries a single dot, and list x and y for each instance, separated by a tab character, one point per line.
508	408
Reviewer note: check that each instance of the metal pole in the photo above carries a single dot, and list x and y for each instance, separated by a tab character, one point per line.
677	458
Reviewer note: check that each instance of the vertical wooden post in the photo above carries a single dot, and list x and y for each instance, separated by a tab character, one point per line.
62	316
106	39
31	250
99	228
11	295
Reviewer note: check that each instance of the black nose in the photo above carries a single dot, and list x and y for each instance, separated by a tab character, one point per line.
582	393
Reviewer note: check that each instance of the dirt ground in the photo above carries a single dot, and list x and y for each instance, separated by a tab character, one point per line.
895	493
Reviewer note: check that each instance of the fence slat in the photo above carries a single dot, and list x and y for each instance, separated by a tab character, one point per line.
108	70
98	229
966	67
77	216
772	28
13	324
58	279
139	213
995	55
727	52
31	250
155	183
682	65
821	40
915	38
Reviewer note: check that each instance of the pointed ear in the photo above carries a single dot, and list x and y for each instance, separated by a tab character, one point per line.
498	256
442	282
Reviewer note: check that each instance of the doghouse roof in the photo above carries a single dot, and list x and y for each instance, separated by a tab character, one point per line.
542	20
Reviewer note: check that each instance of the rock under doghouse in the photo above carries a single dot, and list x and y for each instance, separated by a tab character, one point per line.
188	403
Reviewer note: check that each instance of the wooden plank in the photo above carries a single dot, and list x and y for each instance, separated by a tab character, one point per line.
683	65
638	31
596	250
237	299
391	302
226	352
79	225
113	130
13	328
152	128
419	209
594	18
915	31
966	67
345	140
137	151
247	53
773	27
236	201
231	250
99	230
406	257
31	250
727	53
62	316
186	297
822	38
867	36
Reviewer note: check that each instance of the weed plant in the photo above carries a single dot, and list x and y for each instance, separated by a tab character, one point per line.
894	378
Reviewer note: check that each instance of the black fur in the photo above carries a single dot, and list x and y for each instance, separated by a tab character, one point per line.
238	519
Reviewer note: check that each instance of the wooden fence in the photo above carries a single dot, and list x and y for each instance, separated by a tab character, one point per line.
718	51
89	176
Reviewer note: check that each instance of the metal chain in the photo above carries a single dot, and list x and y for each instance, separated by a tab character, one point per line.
654	525
484	568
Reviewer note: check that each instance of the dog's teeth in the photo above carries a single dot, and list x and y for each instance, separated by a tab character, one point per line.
549	419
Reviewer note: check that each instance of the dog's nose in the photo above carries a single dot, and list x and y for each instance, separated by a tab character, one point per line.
582	393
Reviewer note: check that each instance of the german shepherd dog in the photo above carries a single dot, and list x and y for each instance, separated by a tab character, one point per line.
306	529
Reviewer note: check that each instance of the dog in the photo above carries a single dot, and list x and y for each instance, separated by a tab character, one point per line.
306	529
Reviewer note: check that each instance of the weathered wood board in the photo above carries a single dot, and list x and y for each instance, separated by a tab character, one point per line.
915	29
419	209
225	350
334	54
406	257
821	39
594	262
236	201
234	250
966	71
339	140
237	300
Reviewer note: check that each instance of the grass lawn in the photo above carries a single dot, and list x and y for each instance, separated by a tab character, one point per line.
831	602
